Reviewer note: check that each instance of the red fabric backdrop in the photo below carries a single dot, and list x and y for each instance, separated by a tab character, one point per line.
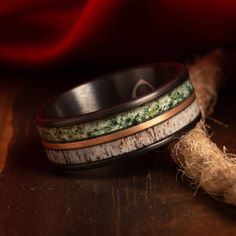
44	32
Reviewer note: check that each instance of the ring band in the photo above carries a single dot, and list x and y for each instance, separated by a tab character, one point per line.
80	129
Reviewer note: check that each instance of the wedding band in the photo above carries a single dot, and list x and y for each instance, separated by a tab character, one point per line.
118	115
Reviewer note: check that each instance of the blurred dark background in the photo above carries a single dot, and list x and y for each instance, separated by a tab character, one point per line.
87	35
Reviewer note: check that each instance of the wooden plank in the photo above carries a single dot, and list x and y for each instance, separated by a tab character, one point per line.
137	197
7	96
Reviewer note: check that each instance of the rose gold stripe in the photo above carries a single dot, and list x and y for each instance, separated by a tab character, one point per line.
122	133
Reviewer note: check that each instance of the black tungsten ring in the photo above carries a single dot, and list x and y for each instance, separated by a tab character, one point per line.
118	115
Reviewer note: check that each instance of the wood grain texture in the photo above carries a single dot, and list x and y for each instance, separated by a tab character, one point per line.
7	96
136	197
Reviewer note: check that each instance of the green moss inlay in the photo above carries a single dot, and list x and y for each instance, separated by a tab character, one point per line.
120	121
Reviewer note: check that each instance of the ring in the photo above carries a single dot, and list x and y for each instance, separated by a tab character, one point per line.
118	115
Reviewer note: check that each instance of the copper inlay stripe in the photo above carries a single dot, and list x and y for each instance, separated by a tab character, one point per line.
122	133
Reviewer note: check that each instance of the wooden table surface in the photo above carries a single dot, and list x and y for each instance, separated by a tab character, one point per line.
143	196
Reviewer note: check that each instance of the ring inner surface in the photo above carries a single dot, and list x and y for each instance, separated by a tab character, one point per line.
109	90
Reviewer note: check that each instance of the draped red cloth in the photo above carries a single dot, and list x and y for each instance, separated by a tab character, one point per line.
45	32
